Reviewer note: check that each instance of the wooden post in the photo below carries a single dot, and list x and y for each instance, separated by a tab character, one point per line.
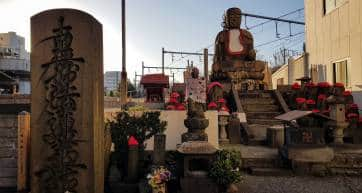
123	87
23	151
163	60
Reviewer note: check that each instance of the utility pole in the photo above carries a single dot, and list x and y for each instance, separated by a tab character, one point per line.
123	87
163	60
143	65
284	56
206	65
306	61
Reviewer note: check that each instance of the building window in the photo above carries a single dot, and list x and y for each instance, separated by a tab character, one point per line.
318	73
280	81
330	5
340	72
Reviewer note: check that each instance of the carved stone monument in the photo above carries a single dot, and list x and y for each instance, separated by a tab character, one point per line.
67	126
197	153
234	60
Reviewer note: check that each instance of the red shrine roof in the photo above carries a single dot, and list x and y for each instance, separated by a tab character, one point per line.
155	79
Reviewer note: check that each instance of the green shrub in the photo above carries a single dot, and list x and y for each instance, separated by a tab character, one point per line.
225	168
142	128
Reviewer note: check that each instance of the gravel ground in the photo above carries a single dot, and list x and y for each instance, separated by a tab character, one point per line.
300	184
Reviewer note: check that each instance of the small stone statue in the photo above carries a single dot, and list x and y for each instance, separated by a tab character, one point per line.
195	122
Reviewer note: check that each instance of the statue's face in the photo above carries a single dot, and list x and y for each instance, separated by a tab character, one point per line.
233	18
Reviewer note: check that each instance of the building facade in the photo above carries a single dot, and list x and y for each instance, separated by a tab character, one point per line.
288	73
14	64
111	81
334	42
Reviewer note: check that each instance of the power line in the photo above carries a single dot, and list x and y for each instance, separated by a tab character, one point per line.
292	12
282	38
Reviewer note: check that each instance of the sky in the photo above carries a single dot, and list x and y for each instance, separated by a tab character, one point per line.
176	25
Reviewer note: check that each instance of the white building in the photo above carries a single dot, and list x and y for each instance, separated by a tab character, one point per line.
112	80
15	61
333	40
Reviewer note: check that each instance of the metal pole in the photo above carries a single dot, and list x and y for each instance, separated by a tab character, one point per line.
163	60
135	79
143	68
123	35
206	65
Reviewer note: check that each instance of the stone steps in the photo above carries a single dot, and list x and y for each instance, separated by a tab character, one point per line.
269	122
261	101
256	171
260	108
258	95
262	115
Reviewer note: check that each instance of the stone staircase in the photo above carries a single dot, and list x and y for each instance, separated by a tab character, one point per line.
260	108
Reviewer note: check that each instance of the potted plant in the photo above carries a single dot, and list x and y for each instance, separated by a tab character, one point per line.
225	170
158	178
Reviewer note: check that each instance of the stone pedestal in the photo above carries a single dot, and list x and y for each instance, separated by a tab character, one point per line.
275	136
67	125
197	157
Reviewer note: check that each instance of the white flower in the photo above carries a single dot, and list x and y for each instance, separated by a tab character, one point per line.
149	176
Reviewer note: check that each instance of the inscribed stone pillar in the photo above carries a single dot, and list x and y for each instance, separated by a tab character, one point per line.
159	149
67	128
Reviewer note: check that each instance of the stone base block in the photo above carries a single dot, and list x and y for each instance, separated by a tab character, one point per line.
310	154
275	136
198	185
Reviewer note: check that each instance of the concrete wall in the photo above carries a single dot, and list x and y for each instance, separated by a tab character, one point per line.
175	127
282	72
336	36
289	72
8	150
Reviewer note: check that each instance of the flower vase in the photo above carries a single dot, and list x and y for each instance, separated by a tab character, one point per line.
161	189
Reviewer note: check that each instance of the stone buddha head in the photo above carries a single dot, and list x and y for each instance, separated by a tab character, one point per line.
232	18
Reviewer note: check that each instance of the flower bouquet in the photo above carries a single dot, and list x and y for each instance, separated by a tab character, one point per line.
158	178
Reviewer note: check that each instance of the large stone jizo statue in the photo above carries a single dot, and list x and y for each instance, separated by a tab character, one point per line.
235	57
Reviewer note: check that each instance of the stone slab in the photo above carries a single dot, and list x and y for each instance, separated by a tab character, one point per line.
67	49
310	154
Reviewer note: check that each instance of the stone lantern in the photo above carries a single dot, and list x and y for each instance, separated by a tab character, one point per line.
197	153
223	117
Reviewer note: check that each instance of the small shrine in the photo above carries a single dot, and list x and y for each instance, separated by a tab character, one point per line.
155	86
